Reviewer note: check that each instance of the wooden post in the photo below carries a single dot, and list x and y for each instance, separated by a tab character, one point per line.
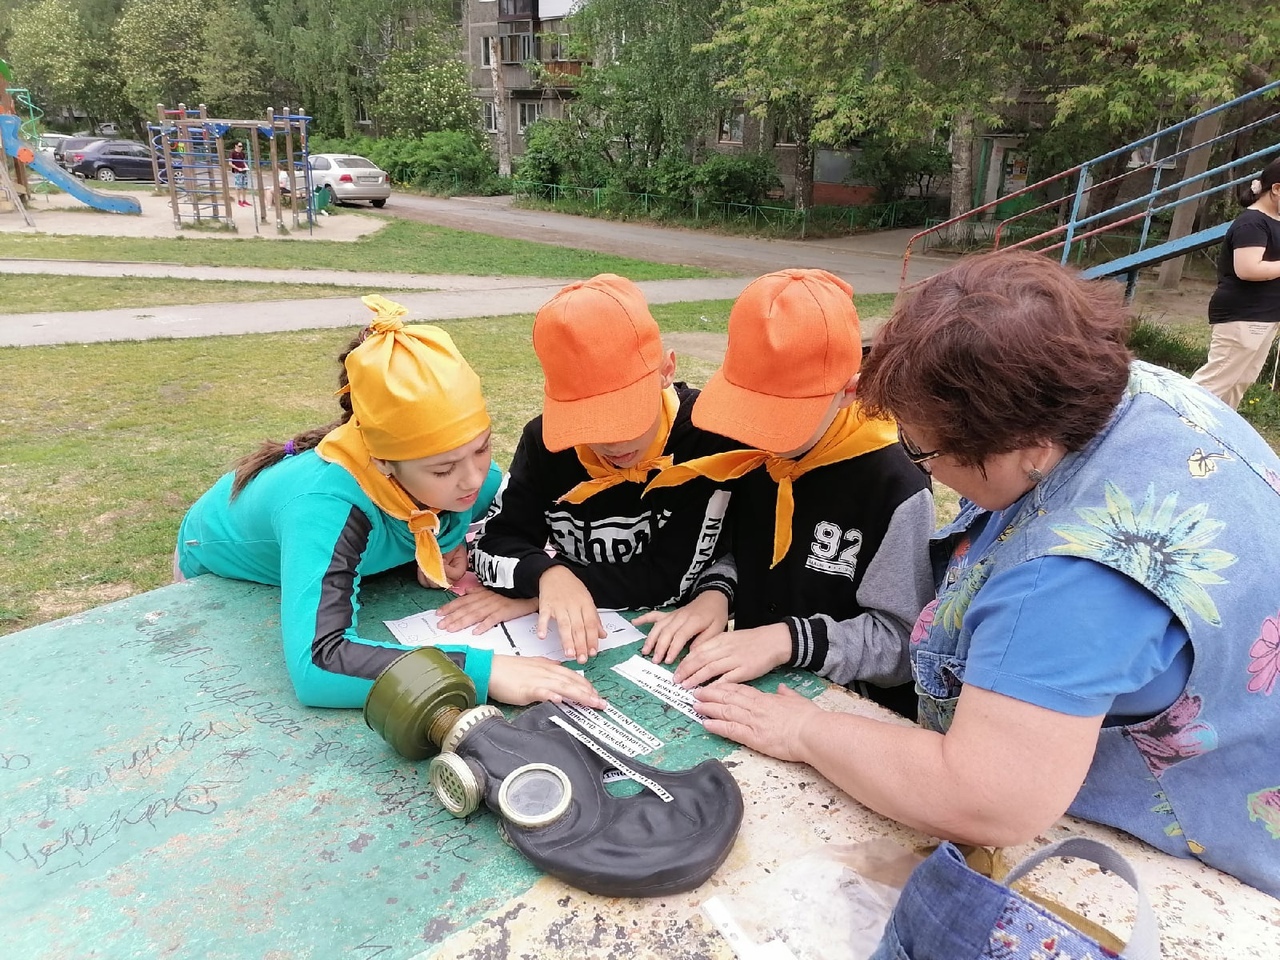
167	146
222	171
275	170
255	157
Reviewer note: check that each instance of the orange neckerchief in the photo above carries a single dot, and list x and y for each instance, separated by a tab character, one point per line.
346	447
605	475
850	434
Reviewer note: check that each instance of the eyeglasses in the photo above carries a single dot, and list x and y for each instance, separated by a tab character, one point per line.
914	453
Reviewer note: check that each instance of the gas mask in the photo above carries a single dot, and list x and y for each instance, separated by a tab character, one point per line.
545	779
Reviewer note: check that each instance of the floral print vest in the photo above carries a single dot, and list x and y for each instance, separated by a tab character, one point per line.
1180	494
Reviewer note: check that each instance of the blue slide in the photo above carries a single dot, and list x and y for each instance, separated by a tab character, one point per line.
11	140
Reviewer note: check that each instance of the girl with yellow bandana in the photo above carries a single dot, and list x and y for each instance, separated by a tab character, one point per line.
398	478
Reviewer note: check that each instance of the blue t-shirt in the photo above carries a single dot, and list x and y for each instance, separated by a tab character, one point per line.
1074	636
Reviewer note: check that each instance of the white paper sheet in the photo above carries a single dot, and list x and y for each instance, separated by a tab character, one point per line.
518	637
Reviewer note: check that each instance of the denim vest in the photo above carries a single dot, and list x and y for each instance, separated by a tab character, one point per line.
1180	494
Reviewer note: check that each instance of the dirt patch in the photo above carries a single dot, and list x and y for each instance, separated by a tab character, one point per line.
708	347
52	604
63	214
1186	306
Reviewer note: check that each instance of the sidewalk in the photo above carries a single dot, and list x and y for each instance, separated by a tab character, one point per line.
456	298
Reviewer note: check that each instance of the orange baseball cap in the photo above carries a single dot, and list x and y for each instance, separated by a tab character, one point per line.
601	351
794	342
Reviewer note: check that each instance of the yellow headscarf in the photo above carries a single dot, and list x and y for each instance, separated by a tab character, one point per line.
604	475
850	434
412	396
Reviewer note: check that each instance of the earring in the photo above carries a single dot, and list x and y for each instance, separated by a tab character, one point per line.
1034	475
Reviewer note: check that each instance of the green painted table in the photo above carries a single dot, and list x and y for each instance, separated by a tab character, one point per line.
162	794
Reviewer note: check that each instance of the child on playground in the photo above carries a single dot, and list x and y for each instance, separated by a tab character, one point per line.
612	415
828	564
398	478
239	163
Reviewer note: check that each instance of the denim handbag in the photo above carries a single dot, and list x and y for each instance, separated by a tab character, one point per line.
949	912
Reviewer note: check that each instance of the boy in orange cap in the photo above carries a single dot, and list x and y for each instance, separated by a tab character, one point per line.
612	416
828	563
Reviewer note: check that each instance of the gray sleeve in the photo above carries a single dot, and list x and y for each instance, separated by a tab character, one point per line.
721	575
898	582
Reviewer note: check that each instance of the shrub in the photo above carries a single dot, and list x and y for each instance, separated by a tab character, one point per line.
446	160
735	178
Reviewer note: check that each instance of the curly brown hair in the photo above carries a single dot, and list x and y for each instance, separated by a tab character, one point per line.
1000	352
271	452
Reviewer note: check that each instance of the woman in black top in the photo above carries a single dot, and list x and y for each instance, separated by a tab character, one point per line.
1245	308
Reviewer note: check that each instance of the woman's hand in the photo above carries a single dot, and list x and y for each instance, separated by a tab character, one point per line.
736	655
701	618
769	723
522	680
482	608
564	598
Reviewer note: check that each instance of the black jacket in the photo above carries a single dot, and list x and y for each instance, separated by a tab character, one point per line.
857	574
630	551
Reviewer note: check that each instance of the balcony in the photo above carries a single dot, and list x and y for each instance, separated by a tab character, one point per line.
517	10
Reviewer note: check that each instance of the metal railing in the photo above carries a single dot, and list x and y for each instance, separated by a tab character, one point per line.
1049	226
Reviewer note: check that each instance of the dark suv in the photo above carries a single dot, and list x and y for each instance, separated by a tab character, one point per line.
110	160
68	148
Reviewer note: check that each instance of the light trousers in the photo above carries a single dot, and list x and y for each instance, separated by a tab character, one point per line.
1236	355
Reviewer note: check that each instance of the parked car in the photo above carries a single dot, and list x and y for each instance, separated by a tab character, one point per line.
65	150
109	160
348	177
48	144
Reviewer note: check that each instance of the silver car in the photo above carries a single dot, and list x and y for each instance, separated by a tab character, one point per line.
348	177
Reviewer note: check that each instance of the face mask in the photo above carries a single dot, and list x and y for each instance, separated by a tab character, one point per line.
545	779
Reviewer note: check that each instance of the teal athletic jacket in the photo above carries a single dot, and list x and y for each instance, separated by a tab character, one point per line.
304	525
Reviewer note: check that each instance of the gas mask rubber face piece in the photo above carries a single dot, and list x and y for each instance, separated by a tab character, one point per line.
548	786
545	779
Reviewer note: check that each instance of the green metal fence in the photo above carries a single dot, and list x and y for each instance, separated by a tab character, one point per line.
768	218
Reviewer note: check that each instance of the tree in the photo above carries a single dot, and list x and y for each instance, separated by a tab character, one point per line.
48	49
903	69
233	72
651	82
158	45
423	92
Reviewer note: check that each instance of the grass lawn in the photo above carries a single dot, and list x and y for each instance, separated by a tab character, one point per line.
31	293
402	246
106	445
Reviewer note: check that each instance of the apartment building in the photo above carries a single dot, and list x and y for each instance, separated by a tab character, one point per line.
527	32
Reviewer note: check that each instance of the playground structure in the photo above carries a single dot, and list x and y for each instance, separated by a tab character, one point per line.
19	150
188	156
188	153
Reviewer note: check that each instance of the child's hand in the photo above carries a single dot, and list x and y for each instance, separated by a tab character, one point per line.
482	609
736	656
455	562
564	598
521	680
701	618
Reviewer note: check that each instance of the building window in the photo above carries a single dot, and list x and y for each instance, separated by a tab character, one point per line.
530	112
490	111
513	9
515	43
731	124
486	58
784	134
553	41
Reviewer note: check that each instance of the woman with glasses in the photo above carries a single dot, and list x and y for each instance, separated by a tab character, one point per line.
1106	636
